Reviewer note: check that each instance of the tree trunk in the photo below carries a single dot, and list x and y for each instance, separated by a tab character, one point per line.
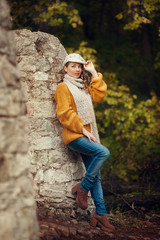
146	37
148	54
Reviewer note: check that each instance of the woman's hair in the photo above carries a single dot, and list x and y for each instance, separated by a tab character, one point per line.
84	76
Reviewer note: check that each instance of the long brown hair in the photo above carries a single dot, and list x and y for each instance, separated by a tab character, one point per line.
84	76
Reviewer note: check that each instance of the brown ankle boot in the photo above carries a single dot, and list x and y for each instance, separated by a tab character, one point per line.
103	220
82	196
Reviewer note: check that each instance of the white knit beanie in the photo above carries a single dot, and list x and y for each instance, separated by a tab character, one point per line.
74	57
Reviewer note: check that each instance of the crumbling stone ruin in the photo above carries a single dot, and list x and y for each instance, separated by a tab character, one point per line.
17	205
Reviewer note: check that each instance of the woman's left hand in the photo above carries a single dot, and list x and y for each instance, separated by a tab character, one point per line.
88	135
88	66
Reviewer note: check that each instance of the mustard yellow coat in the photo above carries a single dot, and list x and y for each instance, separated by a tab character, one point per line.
66	108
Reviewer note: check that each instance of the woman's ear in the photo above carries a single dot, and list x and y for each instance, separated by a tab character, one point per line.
65	69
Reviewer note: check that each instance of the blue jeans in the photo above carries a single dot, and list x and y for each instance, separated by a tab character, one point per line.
94	155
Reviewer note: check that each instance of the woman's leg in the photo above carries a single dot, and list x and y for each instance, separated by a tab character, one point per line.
99	154
96	190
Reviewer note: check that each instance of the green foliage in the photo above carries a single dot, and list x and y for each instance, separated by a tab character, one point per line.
128	64
58	14
131	130
139	12
157	61
45	14
143	17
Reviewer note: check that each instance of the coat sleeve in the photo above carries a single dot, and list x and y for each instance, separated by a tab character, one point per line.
67	116
98	88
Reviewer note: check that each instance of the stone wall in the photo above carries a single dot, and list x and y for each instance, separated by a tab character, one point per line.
55	169
17	206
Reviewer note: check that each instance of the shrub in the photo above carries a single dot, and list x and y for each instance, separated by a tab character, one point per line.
130	128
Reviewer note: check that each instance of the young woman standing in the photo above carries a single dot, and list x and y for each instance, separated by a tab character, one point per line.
74	97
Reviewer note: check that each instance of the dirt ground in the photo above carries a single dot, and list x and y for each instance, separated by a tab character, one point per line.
128	227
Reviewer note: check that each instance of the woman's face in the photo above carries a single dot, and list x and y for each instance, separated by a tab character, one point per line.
73	69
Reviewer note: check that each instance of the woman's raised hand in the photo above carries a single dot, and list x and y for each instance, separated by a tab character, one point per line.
88	135
88	66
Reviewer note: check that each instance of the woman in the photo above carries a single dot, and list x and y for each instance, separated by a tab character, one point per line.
74	97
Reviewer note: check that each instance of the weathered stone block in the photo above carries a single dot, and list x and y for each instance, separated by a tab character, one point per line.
27	64
44	109
42	76
46	143
10	102
9	165
12	135
9	75
5	15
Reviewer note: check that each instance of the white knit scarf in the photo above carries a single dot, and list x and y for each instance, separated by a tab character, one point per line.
83	103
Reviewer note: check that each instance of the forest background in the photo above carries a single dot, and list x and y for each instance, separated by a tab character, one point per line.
122	38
